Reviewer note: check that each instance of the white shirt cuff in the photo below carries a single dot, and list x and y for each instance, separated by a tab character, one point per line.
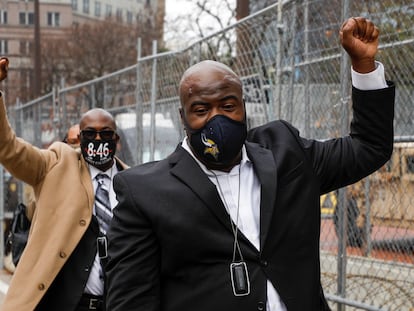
373	80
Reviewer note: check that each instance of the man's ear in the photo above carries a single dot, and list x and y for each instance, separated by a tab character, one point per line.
183	122
244	107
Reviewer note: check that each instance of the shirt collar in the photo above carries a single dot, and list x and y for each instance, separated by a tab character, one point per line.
110	171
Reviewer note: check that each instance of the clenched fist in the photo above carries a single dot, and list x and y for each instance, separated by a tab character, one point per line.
359	38
4	66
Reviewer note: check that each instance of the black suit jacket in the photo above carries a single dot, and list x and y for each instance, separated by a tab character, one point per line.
171	243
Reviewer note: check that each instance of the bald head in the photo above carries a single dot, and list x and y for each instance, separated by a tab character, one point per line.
207	65
206	77
97	118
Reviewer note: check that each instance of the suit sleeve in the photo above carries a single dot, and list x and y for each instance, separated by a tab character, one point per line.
132	270
337	162
340	162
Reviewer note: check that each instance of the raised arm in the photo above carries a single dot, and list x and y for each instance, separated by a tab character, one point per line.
20	158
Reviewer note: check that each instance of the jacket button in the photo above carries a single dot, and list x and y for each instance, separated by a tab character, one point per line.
260	306
62	254
41	286
82	222
263	263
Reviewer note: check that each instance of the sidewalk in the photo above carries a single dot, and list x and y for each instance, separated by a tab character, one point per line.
5	278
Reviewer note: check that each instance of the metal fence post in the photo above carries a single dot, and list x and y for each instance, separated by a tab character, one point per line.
342	205
153	100
139	109
278	76
2	227
291	81
62	104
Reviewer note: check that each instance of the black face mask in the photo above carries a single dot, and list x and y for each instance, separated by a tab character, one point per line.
98	152
219	141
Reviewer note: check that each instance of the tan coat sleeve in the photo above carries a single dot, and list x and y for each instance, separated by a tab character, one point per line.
24	161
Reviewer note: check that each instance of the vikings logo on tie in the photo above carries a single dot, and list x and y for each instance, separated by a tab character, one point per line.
211	147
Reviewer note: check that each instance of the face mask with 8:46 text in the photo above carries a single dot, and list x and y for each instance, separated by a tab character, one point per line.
98	152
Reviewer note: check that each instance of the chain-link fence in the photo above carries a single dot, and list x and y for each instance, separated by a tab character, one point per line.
292	66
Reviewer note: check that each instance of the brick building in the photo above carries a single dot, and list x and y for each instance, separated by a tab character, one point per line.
17	31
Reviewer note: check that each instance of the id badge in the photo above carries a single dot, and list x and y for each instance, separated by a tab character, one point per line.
240	279
102	245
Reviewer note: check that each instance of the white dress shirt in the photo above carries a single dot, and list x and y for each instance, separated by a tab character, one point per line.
95	285
241	194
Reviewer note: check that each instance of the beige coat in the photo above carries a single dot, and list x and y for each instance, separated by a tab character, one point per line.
64	201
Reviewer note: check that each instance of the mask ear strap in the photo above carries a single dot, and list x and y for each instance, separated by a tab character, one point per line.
245	113
184	122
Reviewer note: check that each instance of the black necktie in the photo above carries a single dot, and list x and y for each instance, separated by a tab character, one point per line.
102	204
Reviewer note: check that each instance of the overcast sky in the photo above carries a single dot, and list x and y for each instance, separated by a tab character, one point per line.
174	7
179	26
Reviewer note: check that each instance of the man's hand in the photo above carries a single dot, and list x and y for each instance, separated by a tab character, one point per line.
4	66
359	38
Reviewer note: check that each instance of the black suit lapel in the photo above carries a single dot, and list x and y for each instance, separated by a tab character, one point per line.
184	167
120	165
265	168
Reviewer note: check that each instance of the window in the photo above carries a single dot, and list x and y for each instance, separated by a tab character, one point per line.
53	19
75	5
119	15
4	47
30	18
108	12
97	8
388	166
129	17
26	18
22	18
86	6
410	164
25	80
3	17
